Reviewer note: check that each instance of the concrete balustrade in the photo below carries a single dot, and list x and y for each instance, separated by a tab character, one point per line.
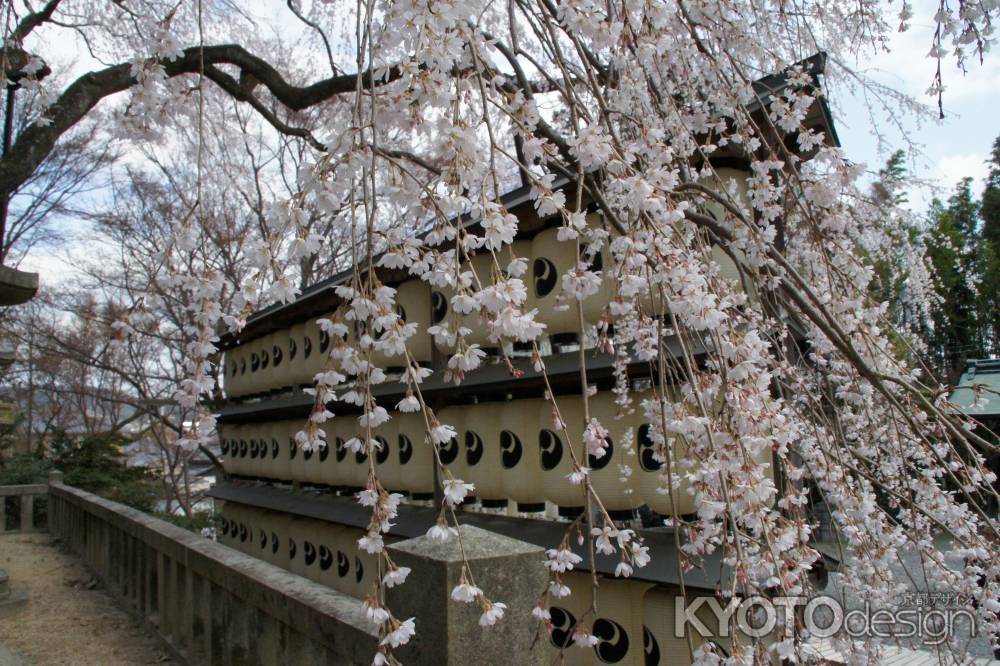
209	603
27	494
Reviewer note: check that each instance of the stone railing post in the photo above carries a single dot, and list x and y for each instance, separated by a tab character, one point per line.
448	632
55	476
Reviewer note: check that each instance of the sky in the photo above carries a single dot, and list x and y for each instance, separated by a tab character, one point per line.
949	150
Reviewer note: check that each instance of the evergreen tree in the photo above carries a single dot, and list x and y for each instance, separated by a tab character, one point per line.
952	246
989	254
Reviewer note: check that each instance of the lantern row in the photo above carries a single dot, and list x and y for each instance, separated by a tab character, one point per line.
293	356
509	450
634	624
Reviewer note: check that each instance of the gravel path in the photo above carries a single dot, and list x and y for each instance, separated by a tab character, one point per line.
68	620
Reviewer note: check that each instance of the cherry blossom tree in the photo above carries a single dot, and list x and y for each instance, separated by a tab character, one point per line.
425	111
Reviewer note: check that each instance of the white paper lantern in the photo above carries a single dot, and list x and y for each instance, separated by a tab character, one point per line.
482	266
298	367
263	378
568	614
318	343
605	473
330	543
520	462
259	463
225	433
311	464
450	452
481	452
236	529
413	305
415	457
338	469
236	372
231	373
556	459
233	461
276	525
618	624
413	298
227	527
298	466
387	455
364	566
303	552
651	469
344	574
551	259
662	647
595	307
282	345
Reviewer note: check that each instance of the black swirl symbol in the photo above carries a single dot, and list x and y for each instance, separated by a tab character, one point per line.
307	346
243	533
614	644
291	548
224	526
307	454
473	448
551	449
254	362
361	456
439	307
275	542
382	452
253	448
650	648
265	359
400	311
647	450
325	558
263	539
602	462
511	449
563	624
277	355
545	276
274	448
243	448
224	446
448	451
293	447
243	365
359	569
405	449
341	449
234	367
324	342
293	349
343	564
324	453
310	552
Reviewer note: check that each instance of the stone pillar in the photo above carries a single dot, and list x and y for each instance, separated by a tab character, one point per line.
27	513
55	476
448	632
